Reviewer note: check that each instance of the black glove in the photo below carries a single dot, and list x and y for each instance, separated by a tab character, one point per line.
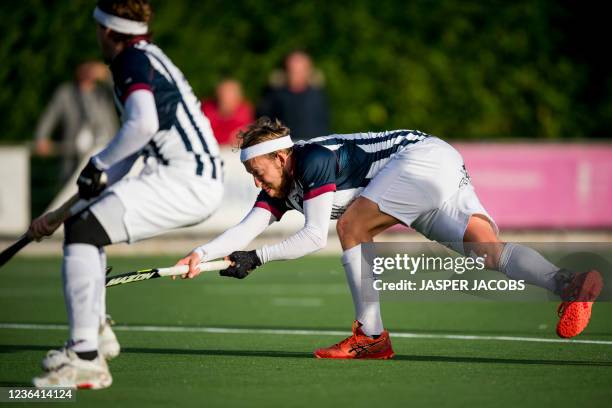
91	181
244	263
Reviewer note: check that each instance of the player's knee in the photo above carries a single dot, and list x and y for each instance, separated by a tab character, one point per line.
480	229
347	228
85	228
342	227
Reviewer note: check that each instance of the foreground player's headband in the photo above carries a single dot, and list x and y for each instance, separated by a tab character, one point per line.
119	24
265	148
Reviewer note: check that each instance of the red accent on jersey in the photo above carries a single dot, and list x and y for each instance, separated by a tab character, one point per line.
319	190
275	212
134	88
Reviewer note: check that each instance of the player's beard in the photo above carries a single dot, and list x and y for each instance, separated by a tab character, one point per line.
286	183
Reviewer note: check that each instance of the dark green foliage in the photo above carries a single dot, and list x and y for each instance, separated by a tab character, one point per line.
457	69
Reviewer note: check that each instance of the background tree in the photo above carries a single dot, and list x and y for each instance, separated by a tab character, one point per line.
468	70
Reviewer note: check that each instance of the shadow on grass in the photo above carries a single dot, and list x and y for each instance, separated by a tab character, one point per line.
308	355
490	360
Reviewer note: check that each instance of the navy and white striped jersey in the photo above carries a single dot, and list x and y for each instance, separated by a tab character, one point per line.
185	138
341	163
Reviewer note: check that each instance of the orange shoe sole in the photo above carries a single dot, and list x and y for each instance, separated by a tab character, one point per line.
376	356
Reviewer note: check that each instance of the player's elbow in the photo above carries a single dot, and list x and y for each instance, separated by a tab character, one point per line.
318	239
319	244
322	242
148	126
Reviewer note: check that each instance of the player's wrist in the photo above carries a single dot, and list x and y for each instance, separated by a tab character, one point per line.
98	163
91	181
260	256
255	259
199	251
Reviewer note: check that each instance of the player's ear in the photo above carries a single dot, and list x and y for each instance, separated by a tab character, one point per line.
282	158
103	29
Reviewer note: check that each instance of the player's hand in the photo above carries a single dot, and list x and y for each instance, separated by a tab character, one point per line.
42	227
193	260
91	181
243	262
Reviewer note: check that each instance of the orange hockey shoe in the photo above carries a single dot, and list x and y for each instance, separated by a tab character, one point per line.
359	346
578	297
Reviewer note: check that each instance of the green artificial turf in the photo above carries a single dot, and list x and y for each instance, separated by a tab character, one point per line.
172	368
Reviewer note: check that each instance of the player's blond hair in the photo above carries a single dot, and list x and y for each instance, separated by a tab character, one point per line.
262	130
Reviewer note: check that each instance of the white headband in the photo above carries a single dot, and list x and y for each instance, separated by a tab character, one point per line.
119	24
265	148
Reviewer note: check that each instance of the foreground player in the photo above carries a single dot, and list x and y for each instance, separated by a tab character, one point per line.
370	182
179	186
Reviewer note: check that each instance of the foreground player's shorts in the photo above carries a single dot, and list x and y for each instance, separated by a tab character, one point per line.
156	201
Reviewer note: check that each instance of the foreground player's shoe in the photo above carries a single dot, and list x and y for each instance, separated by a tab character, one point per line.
108	347
77	373
578	297
359	346
55	358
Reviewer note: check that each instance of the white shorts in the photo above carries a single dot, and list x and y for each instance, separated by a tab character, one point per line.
159	199
426	186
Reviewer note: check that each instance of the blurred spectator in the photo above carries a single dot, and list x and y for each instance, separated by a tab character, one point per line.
296	97
84	109
229	112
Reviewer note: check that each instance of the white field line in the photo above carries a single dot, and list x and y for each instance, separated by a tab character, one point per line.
225	330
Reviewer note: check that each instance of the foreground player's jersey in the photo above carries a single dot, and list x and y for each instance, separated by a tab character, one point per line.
185	138
341	163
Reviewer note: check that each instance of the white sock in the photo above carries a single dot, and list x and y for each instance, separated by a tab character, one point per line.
521	262
102	305
365	298
83	285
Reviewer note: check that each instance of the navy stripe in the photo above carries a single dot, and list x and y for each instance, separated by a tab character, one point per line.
200	168
187	143
157	153
189	116
200	164
383	154
183	135
214	167
369	141
196	127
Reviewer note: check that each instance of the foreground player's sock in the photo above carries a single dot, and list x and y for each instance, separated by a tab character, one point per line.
83	281
365	298
102	305
523	263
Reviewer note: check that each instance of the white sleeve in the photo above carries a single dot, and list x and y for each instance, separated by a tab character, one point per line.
311	238
237	237
141	123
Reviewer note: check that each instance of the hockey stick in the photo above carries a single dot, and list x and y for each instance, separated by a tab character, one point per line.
9	252
71	207
147	274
